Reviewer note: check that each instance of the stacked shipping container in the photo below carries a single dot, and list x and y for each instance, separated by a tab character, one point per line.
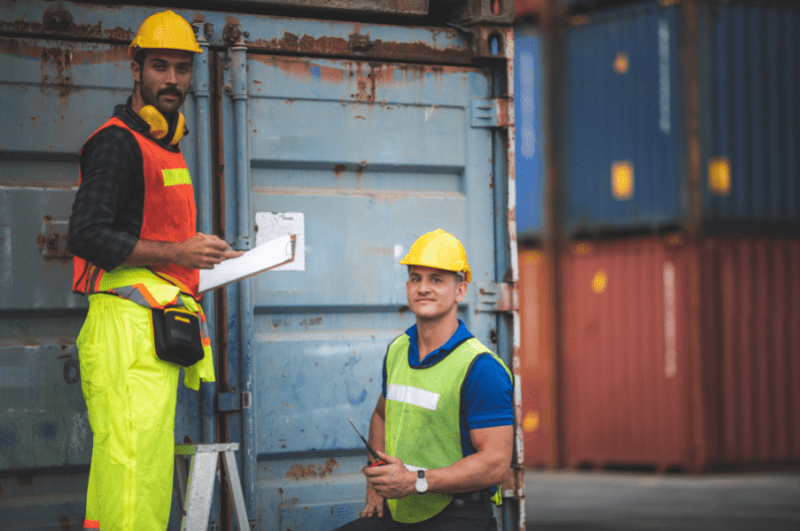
679	211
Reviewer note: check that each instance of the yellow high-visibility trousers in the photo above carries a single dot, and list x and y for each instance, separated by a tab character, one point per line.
130	395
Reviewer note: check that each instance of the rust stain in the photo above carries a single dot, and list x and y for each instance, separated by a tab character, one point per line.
52	244
59	22
328	74
360	174
338	169
298	471
358	43
64	522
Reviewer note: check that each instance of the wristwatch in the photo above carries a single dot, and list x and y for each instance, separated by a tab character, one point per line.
422	484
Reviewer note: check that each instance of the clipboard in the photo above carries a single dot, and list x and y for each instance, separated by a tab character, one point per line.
257	260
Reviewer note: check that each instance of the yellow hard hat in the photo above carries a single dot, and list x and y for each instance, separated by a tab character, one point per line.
440	250
165	30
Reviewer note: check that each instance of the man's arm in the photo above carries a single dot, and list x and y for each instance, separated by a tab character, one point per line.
488	466
110	166
200	252
103	225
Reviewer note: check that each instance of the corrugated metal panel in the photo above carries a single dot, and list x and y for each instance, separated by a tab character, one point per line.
751	348
537	360
529	121
323	162
626	372
623	149
682	355
750	114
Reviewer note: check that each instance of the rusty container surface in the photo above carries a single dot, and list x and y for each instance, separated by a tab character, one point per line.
682	356
537	359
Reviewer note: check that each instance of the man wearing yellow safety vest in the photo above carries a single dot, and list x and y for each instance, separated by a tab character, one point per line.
137	255
443	425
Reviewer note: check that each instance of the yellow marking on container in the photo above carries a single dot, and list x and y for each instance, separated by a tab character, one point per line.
600	281
531	421
176	176
182	319
622	179
621	63
719	176
581	248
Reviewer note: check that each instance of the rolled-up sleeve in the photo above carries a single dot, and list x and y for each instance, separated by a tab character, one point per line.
110	162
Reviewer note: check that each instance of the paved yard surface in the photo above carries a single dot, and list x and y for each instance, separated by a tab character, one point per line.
604	501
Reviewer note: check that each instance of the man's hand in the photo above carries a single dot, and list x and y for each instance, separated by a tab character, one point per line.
204	252
391	481
200	252
374	505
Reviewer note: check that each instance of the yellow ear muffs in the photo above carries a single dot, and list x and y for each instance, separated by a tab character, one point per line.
159	126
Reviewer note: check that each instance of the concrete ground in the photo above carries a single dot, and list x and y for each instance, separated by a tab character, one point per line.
605	501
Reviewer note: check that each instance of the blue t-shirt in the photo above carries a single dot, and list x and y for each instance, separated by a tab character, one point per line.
487	396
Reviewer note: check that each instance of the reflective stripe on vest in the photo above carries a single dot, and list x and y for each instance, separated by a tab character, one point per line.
423	418
168	214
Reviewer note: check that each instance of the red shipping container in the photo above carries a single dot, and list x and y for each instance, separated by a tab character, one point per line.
537	360
682	355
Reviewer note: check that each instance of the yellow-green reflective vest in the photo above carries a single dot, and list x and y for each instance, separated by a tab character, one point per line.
145	288
423	407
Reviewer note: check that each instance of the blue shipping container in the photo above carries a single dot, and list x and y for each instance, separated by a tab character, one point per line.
625	150
356	154
623	154
529	121
750	114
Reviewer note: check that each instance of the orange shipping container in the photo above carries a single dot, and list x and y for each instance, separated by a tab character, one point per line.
537	360
682	355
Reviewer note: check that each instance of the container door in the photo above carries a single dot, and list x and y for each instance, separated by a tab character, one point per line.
357	160
53	95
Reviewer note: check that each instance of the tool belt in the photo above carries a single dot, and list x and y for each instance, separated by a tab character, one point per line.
176	335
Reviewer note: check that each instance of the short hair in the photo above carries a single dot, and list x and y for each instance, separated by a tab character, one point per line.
139	57
459	275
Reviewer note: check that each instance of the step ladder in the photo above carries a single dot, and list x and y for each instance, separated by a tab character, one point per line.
195	491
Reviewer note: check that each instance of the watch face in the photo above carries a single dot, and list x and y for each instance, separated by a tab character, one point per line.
422	484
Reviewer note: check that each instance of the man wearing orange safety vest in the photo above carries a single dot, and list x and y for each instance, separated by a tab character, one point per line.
137	251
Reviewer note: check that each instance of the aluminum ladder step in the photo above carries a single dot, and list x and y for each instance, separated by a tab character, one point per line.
196	490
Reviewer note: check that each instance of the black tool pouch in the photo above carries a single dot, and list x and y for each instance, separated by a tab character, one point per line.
176	334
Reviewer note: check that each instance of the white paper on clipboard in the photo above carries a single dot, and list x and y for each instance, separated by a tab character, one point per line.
265	256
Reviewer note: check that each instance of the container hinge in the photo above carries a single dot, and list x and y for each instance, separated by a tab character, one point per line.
496	297
492	112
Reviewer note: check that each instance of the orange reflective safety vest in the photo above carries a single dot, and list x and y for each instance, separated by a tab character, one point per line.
169	215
